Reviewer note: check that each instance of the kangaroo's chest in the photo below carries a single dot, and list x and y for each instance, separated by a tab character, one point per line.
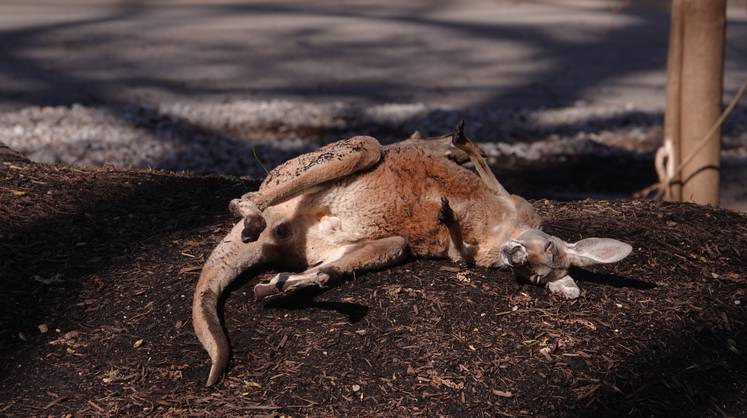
367	209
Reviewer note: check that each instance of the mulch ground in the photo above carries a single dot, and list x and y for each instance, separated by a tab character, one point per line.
97	268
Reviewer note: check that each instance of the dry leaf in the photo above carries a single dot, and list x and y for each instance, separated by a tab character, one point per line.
546	352
252	384
137	343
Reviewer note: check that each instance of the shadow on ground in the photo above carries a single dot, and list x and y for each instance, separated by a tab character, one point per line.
64	229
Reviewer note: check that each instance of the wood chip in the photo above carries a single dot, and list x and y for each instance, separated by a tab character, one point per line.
502	394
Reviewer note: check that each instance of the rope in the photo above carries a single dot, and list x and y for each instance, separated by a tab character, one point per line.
663	159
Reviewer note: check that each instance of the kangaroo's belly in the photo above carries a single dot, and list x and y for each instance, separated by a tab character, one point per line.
399	197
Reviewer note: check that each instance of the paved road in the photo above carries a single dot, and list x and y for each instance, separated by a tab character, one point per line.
479	53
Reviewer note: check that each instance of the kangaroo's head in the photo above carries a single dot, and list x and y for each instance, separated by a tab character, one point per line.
542	258
533	254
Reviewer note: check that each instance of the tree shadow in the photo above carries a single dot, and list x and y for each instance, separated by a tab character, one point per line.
559	55
688	372
564	69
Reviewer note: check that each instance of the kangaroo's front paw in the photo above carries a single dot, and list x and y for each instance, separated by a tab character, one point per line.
565	288
254	224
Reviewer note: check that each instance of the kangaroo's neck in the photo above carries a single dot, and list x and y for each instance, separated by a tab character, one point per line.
518	217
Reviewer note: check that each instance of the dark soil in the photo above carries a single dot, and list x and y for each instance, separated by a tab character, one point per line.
97	268
575	178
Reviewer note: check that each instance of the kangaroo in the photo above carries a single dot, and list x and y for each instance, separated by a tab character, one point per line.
354	205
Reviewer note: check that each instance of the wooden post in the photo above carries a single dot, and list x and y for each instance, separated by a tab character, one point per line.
674	102
694	102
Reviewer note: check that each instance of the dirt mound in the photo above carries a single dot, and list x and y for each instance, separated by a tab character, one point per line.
98	267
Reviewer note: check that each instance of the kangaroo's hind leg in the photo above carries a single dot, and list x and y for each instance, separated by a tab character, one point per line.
366	255
296	176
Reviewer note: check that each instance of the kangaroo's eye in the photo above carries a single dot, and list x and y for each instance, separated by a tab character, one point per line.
549	247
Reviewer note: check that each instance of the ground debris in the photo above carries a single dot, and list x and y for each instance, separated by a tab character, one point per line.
653	334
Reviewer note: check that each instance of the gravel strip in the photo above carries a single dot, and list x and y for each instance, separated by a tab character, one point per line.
223	138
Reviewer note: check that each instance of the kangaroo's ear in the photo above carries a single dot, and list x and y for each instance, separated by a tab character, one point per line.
597	251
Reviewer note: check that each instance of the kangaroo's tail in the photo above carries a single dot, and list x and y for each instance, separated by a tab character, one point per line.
226	262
